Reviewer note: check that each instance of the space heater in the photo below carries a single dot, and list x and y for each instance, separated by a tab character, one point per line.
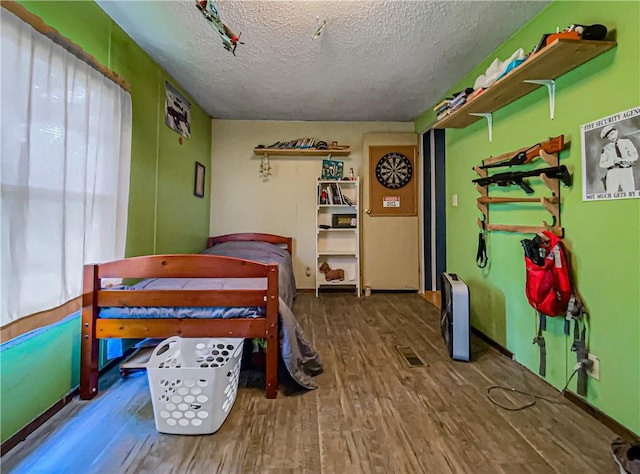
454	315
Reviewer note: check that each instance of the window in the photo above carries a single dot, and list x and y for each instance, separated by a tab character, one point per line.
66	150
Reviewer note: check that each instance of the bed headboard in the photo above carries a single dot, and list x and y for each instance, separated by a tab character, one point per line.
271	238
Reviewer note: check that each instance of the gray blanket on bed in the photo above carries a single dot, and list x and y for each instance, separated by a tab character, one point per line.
299	356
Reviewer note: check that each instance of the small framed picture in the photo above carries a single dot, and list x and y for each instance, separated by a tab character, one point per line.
177	111
332	169
198	184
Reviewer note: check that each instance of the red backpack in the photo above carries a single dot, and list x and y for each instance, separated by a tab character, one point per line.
548	284
549	291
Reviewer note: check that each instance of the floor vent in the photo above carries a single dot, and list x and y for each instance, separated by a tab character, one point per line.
410	356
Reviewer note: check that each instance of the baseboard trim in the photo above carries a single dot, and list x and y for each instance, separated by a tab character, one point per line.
402	290
602	417
40	420
580	402
496	345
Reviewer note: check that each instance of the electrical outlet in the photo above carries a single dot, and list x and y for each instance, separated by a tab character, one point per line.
595	370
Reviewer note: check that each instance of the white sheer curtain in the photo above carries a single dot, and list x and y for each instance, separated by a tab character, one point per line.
66	151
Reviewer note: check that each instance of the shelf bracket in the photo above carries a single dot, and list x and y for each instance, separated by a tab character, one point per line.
551	89
489	118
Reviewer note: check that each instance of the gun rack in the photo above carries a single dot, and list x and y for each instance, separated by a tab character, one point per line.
550	203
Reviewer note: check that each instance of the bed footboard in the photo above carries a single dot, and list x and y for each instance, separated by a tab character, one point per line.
89	346
177	266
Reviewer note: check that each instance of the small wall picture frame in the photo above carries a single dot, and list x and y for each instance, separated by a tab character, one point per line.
332	169
198	183
177	111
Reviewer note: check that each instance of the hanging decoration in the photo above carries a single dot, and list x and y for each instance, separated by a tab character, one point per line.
265	167
229	39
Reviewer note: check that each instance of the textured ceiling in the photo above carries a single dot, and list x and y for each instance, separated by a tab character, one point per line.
375	60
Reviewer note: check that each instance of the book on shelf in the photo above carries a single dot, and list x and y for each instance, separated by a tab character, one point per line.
329	194
443	108
442	104
453	109
348	201
461	99
343	197
443	114
336	194
333	195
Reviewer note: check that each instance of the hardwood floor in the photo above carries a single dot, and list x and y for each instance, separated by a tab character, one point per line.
371	414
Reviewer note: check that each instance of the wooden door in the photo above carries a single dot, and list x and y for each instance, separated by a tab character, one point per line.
390	225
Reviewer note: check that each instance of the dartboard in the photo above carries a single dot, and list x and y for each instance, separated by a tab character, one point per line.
394	170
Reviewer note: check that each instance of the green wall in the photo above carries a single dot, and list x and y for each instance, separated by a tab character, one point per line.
603	236
164	215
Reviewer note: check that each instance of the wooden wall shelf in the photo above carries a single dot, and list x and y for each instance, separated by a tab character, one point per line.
300	152
507	200
558	58
527	229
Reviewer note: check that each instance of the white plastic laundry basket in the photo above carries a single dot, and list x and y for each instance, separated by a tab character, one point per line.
193	382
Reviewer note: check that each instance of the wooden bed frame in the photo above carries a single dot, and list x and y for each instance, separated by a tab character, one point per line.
180	266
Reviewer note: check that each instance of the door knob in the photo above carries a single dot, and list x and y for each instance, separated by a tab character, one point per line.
367	211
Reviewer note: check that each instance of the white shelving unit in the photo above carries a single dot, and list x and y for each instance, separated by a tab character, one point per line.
339	247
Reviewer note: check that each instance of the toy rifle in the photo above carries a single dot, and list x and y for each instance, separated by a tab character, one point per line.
517	177
553	145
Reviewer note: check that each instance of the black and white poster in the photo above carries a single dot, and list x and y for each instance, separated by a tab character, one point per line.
177	111
610	148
